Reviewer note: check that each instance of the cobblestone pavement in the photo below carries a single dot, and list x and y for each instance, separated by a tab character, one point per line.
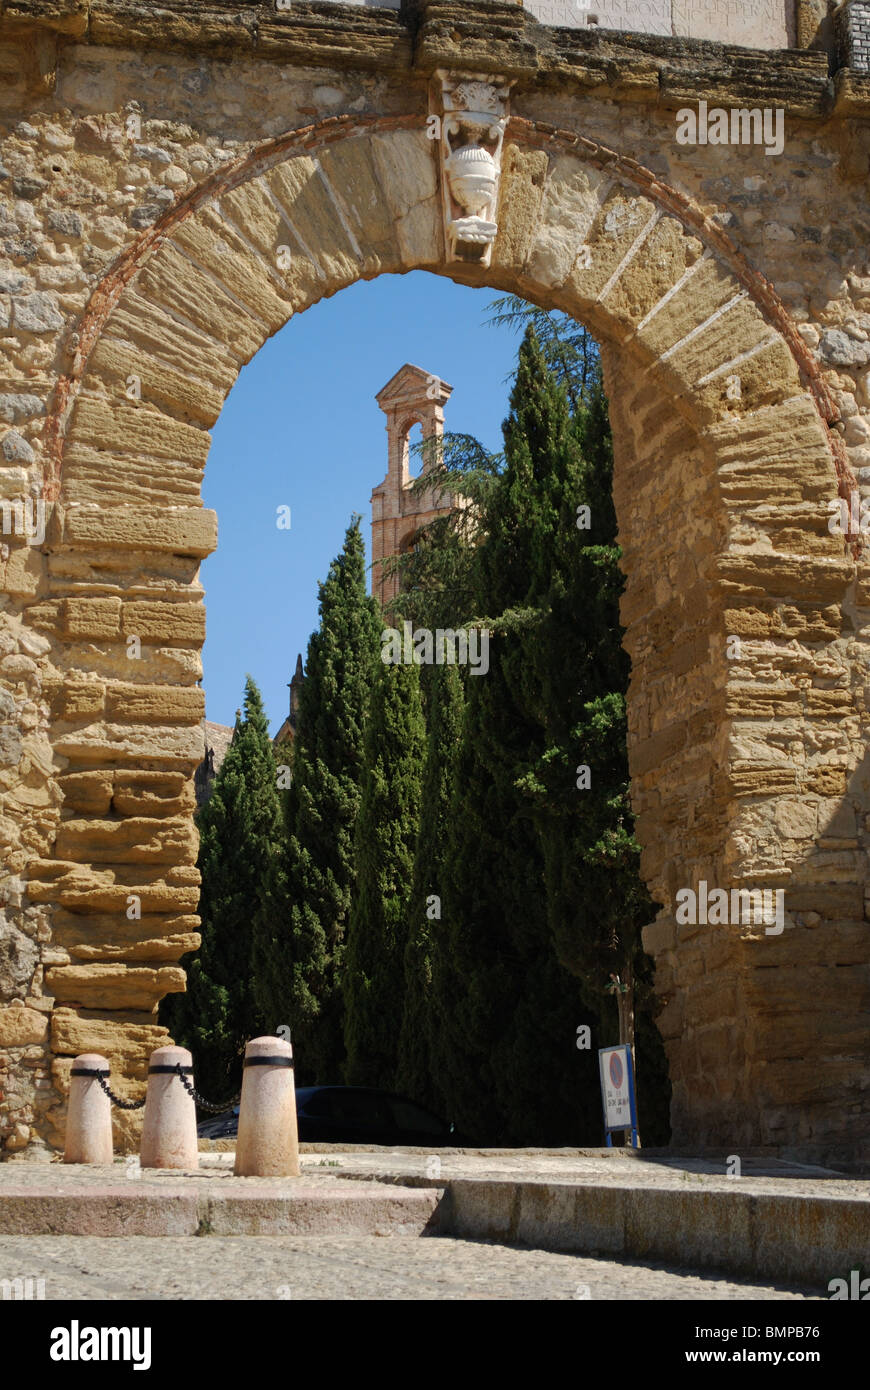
345	1268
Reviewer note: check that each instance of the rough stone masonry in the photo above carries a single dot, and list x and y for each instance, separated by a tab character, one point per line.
176	183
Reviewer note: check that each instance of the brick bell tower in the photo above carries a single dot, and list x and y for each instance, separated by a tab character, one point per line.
411	397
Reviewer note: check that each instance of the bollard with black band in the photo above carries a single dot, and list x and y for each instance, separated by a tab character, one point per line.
268	1143
89	1112
169	1138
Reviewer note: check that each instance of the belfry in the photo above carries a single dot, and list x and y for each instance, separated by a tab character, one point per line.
411	397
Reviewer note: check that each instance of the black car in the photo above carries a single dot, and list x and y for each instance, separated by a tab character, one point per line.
351	1115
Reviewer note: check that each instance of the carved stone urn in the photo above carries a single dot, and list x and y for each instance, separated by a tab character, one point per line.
473	178
470	129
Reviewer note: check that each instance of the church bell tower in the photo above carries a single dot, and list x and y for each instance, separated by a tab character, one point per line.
411	397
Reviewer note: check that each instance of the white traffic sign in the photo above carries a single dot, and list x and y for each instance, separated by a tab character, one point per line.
617	1087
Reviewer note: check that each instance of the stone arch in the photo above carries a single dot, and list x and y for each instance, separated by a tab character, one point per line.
720	492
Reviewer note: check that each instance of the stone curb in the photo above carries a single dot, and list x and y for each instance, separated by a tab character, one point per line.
109	1210
798	1239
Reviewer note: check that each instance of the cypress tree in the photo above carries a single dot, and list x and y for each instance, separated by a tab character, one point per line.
386	837
239	834
597	900
271	969
549	574
508	1010
318	872
442	688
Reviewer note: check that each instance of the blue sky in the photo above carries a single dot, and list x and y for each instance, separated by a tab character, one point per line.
301	428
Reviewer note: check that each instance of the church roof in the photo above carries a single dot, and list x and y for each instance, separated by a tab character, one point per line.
410	380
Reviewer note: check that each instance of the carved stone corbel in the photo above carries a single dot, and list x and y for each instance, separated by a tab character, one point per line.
470	127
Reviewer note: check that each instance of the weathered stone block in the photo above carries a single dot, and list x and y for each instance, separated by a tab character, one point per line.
215	245
90	792
164	622
79	699
134	840
165	704
408	175
22	1027
572	200
162	340
703	293
521	193
113	986
152	793
183	392
114	937
128	429
180	530
123	1036
621	222
333	258
132	744
91	617
172	281
156	888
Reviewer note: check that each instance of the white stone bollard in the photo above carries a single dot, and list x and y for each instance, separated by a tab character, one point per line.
268	1142
169	1138
89	1113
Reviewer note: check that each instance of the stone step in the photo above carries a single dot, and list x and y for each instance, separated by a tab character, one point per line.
806	1239
172	1207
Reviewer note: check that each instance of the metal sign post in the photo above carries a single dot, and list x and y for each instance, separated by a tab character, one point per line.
617	1092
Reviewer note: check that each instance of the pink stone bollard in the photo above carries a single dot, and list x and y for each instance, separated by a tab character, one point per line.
89	1113
268	1142
169	1138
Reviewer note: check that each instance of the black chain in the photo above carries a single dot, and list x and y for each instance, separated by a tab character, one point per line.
138	1104
116	1100
205	1104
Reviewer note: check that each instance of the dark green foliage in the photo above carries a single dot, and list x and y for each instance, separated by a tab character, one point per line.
239	834
543	898
316	877
597	900
387	829
572	356
442	690
271	917
509	1011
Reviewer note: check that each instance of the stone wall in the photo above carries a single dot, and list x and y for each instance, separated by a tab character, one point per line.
154	165
852	23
